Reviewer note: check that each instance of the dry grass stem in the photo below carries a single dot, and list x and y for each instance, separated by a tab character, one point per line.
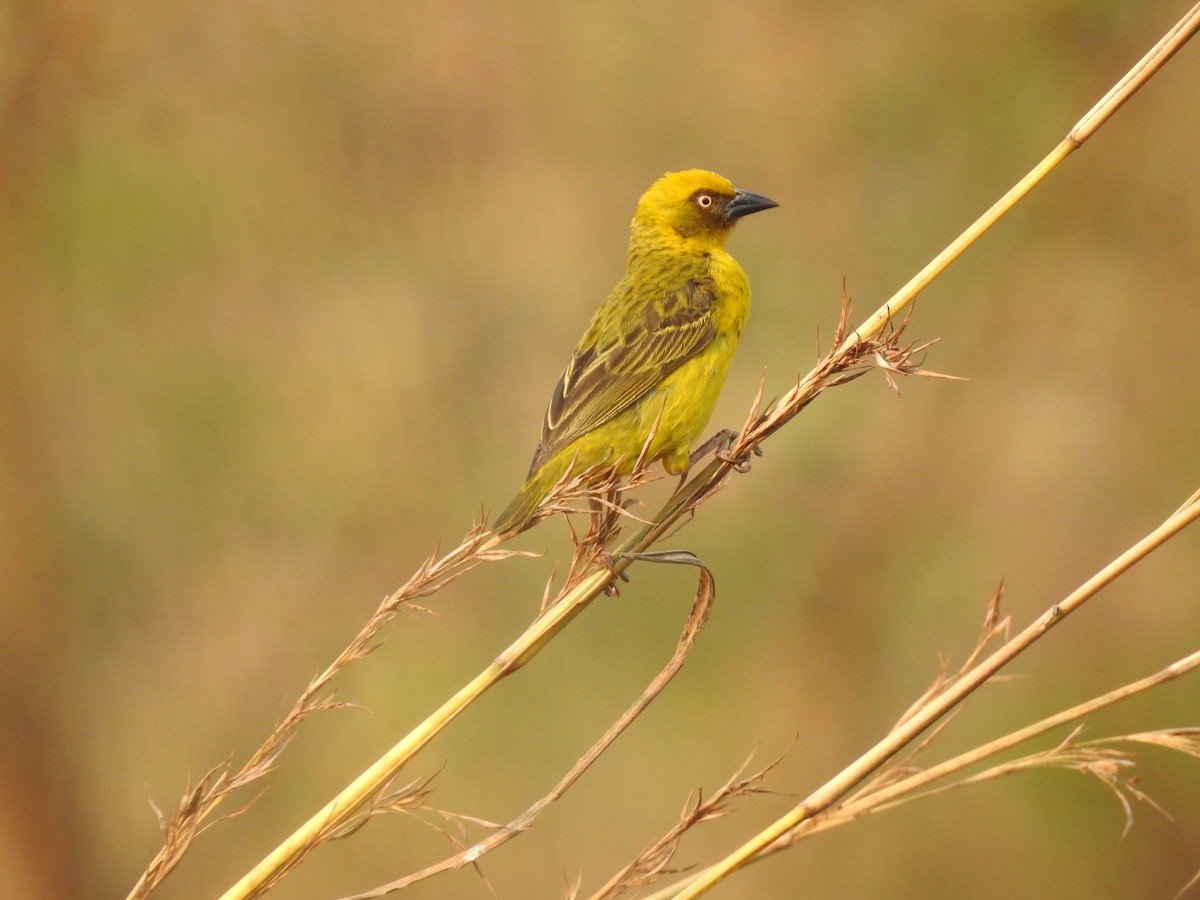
1146	67
902	783
347	803
200	802
1158	55
904	786
587	578
469	855
934	706
654	862
1192	882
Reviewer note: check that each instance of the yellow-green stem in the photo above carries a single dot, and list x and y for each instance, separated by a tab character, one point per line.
370	782
870	761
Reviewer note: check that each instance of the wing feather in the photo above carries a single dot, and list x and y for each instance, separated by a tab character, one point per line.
602	381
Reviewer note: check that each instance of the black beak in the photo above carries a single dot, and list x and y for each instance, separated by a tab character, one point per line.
744	203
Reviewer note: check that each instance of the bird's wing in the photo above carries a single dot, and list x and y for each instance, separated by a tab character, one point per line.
605	379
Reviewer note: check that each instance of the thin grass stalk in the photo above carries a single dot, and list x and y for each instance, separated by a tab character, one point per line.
201	801
1146	67
902	790
701	607
899	791
845	781
342	807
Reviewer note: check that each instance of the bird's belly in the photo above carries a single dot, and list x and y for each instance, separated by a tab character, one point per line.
675	412
678	410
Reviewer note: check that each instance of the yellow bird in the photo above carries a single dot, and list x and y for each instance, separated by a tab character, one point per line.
656	353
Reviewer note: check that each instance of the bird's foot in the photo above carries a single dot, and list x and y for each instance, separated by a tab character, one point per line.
740	464
719	445
716	444
606	559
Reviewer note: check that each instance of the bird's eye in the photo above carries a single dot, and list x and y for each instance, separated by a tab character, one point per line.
704	201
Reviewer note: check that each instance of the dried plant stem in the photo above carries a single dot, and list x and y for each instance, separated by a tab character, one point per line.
936	707
1084	129
201	801
898	791
894	793
851	346
468	856
583	586
342	807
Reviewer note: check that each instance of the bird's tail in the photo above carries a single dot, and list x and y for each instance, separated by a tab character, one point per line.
518	514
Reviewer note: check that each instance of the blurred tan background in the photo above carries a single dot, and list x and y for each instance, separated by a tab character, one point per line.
285	290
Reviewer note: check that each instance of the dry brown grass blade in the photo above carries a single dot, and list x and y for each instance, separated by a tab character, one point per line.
653	862
902	784
1192	882
1158	55
1181	740
937	706
200	803
913	785
358	793
701	607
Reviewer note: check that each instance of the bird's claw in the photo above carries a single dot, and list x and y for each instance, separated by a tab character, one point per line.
739	464
606	559
716	444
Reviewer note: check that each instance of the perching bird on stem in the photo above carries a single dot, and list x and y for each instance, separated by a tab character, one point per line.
655	355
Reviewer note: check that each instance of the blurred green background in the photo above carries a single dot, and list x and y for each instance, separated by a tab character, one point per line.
285	291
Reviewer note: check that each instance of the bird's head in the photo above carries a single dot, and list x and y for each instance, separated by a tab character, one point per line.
695	205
